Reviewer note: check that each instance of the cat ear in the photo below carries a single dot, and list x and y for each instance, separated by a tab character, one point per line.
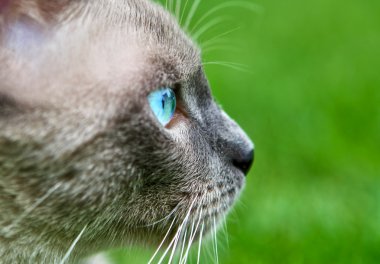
42	11
28	22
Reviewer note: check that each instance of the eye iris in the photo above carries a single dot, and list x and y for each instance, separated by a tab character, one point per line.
163	104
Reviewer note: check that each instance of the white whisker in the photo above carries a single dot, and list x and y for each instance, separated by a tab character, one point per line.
206	27
178	238
183	12
193	233
162	242
183	246
6	230
191	13
178	9
177	233
242	4
221	48
171	243
171	5
212	40
200	242
68	253
235	66
165	218
216	243
183	260
225	229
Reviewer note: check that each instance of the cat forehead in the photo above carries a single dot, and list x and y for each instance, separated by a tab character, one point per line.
151	29
128	42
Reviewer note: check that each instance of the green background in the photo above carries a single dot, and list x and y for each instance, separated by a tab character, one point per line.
308	95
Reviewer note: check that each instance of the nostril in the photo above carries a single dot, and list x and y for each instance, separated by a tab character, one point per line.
244	163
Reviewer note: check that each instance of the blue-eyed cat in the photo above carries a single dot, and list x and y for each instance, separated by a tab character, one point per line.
109	133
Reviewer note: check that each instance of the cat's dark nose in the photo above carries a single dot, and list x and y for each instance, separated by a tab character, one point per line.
244	161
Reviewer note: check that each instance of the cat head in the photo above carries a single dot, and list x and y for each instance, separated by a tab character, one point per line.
81	147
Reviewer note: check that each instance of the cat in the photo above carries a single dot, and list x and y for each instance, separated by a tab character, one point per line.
86	162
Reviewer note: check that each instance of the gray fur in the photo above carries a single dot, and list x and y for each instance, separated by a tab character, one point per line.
79	146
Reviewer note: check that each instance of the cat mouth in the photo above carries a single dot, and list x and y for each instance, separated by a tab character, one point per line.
200	219
197	216
210	206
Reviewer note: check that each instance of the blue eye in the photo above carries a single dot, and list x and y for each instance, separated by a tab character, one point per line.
163	104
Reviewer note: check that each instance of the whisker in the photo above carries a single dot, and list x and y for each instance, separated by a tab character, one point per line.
68	253
235	66
183	246
162	242
177	233
220	48
213	245
178	9
188	245
198	222
243	4
173	249
225	230
6	230
216	243
206	27
171	243
200	242
178	238
211	41
191	13
193	233
163	219
171	5
209	252
183	12
224	62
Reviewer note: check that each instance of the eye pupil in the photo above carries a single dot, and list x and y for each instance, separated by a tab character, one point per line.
163	104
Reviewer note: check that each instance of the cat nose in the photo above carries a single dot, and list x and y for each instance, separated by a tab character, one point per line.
244	161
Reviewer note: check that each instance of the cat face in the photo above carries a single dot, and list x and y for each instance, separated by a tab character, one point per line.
80	144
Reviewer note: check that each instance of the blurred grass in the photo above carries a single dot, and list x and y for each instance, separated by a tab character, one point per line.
311	103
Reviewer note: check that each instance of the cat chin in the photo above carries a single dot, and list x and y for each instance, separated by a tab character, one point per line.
200	214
